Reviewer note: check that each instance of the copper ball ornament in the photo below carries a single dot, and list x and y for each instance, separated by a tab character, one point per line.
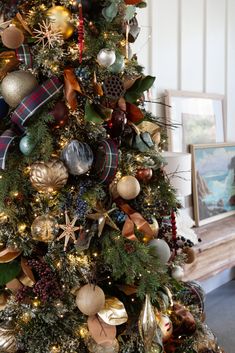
60	113
47	177
90	299
144	174
16	86
60	18
12	37
44	228
128	187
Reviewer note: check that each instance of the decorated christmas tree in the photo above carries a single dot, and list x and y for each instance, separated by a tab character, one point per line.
90	258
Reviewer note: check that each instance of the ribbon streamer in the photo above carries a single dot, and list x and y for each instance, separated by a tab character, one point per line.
24	55
134	219
71	87
81	32
25	110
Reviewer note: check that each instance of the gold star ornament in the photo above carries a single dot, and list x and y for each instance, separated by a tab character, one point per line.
102	216
69	230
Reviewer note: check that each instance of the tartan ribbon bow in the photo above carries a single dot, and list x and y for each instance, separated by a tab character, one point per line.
25	110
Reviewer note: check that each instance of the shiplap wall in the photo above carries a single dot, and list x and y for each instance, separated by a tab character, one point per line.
192	48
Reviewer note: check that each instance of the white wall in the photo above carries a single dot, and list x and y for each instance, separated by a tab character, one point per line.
192	48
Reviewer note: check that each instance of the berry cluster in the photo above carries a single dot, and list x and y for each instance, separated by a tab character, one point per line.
81	204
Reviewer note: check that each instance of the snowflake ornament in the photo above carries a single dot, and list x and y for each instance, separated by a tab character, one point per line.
47	35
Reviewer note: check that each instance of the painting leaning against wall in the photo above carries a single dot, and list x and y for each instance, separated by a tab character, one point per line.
213	181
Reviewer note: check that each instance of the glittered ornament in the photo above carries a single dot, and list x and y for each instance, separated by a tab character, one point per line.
106	57
78	157
144	174
60	113
60	19
147	324
128	187
8	337
160	249
177	273
44	228
90	299
48	176
26	145
113	87
16	86
12	37
118	65
4	108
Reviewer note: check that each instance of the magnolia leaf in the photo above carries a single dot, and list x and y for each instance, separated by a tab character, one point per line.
141	85
134	113
91	114
9	271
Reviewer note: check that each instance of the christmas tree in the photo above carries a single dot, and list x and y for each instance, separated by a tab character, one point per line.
90	259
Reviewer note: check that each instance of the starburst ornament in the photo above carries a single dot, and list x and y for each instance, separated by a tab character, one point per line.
102	216
47	35
69	230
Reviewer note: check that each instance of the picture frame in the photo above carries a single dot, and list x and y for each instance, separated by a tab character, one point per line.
213	175
197	118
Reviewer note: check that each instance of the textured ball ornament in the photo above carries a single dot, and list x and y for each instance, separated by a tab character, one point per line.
166	327
44	228
26	145
12	37
60	114
113	87
128	187
160	249
48	176
177	273
16	86
90	299
106	57
60	19
7	337
78	157
144	174
4	108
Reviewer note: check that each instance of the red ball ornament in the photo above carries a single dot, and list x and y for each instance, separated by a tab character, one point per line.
60	114
144	174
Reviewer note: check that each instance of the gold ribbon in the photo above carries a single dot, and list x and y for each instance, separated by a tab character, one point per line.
134	219
23	23
71	87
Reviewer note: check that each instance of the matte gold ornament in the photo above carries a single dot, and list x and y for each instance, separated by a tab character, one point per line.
7	337
12	37
60	18
114	312
48	177
44	228
90	299
147	324
128	187
16	86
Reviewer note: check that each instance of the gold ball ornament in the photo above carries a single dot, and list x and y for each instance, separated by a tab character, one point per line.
16	86
12	37
60	19
90	299
7	337
48	177
44	228
128	187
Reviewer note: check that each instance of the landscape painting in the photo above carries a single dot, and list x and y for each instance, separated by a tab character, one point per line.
213	181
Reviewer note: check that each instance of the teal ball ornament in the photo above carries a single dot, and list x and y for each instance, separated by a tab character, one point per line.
118	65
26	145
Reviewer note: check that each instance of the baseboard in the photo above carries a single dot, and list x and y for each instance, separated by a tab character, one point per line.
214	282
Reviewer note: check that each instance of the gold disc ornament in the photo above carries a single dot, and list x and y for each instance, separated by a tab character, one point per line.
48	177
12	37
60	19
16	86
44	228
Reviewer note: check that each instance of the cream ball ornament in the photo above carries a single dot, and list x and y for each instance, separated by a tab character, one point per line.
90	299
160	249
128	187
106	57
177	273
16	86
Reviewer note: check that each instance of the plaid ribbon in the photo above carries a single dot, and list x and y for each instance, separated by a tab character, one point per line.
106	161
24	55
25	110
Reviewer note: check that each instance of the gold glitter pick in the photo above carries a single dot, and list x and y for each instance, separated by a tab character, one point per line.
102	216
69	230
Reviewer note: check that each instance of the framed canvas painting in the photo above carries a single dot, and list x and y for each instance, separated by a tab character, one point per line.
198	118
213	170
